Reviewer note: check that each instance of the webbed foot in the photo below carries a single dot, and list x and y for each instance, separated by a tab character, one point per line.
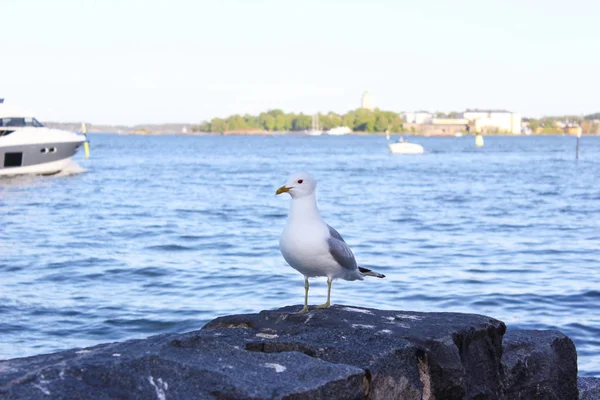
326	305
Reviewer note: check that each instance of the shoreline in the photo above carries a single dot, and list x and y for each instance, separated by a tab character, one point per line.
268	133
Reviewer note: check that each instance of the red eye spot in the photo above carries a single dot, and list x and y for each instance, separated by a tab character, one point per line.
300	181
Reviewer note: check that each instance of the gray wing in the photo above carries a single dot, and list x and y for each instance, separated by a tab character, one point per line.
340	251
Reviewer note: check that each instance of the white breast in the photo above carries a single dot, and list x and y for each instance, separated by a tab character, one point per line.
305	248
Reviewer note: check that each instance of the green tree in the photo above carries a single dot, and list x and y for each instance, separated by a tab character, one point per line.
217	125
349	120
381	123
397	124
280	123
236	122
336	120
301	122
251	121
329	120
365	120
267	121
275	113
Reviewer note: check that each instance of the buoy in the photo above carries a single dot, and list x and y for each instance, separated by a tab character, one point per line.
478	140
86	144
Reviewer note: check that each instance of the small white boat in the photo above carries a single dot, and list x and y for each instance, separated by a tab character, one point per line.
314	132
28	147
403	147
340	130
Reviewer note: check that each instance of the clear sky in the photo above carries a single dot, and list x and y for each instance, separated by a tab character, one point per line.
147	61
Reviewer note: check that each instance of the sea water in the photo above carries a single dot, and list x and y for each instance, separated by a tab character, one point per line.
156	234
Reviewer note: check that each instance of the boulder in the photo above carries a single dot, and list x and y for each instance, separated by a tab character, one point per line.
339	353
404	355
539	365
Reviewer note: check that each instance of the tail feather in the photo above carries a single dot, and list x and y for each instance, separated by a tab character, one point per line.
368	272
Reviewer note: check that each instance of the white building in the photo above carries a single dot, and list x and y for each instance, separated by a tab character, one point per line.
366	101
448	121
498	120
417	117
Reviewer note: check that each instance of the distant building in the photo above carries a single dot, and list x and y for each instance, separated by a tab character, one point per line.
366	101
417	117
493	120
449	121
573	129
475	121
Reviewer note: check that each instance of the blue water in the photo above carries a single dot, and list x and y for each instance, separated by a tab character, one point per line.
163	233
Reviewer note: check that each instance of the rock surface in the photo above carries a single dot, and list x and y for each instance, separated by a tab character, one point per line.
589	388
338	353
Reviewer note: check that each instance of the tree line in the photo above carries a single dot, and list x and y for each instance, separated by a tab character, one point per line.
359	120
588	123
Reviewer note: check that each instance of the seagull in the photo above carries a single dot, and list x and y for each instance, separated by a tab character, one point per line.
312	247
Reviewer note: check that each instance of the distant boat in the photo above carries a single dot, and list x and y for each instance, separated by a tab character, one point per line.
403	147
315	131
458	134
340	130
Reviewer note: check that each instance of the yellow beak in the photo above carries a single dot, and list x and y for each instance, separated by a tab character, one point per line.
282	189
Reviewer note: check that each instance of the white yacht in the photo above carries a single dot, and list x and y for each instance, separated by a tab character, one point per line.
28	147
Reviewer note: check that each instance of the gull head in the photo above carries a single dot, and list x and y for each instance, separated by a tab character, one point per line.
299	185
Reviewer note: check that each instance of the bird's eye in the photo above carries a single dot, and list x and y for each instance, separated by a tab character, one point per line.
300	181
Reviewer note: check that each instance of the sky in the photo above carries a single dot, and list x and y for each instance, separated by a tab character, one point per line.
131	62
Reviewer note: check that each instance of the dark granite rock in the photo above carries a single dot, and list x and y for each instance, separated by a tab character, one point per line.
337	353
589	388
404	354
539	365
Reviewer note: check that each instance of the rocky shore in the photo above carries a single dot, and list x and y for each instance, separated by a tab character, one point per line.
339	353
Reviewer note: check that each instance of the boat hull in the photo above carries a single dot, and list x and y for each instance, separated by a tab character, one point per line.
42	158
406	148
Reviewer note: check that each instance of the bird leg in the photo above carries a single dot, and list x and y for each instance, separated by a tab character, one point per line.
305	309
326	305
